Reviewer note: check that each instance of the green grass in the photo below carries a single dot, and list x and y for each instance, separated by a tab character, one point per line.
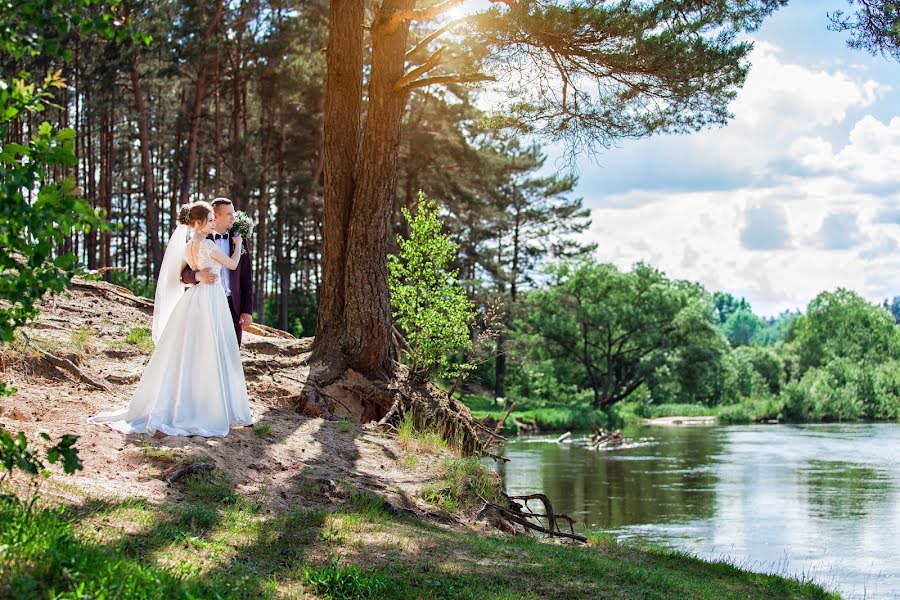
419	439
140	337
463	483
208	544
81	339
345	425
262	429
156	454
546	417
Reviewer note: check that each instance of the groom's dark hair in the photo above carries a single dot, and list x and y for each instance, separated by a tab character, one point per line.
221	202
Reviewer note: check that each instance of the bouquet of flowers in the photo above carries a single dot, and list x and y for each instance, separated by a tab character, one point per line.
243	224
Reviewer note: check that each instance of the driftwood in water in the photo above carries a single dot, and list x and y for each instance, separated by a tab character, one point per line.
563	437
606	439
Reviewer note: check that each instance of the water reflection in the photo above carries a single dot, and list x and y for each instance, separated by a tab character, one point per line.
845	490
818	501
668	480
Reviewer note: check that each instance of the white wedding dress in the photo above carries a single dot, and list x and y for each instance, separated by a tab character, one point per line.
194	383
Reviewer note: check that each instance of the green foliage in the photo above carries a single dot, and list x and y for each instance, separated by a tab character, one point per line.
616	58
429	304
725	305
617	328
36	212
841	324
741	327
344	583
16	452
874	26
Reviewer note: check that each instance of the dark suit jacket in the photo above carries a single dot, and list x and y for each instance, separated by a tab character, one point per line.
241	280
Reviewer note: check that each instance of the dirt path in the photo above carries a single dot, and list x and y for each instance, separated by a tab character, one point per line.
288	460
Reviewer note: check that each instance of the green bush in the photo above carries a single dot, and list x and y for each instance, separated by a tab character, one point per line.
429	303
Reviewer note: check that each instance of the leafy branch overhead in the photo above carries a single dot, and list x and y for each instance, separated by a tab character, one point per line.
592	72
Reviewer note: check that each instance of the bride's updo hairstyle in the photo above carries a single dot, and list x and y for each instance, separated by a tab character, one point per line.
193	212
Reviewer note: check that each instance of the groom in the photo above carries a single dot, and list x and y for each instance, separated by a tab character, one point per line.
238	284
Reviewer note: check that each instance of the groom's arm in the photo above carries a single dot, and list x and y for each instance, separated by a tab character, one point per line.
189	276
192	277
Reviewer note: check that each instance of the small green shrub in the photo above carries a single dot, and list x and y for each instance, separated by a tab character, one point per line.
429	303
262	429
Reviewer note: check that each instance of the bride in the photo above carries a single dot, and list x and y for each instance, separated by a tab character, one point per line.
194	383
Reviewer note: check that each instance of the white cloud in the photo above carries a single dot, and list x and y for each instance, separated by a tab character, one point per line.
871	155
702	236
766	228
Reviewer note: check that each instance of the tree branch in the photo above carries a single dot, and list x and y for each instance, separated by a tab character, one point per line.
433	36
426	81
433	61
419	14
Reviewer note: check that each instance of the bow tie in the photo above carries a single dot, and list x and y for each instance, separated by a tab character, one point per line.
222	236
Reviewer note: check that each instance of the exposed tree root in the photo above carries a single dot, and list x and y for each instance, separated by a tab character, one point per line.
191	469
113	292
389	402
521	515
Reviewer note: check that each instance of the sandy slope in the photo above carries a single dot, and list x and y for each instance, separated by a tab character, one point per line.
301	461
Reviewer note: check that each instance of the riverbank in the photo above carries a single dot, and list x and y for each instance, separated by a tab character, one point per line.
215	542
296	506
552	417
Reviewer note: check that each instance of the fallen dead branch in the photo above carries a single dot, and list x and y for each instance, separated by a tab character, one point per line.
605	439
502	422
191	469
67	365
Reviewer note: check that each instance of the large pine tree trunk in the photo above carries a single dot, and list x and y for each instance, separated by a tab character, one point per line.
262	230
367	302
343	108
151	209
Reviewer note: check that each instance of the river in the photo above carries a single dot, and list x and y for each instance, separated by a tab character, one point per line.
809	501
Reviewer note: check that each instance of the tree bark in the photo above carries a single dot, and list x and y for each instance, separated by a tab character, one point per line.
343	109
262	229
150	206
354	319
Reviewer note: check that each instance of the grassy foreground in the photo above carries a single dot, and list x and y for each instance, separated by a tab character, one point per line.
215	543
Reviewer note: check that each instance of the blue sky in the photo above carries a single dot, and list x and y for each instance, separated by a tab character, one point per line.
800	193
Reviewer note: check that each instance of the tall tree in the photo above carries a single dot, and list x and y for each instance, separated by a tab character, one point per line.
613	71
619	328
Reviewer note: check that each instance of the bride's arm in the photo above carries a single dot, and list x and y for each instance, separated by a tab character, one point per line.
229	262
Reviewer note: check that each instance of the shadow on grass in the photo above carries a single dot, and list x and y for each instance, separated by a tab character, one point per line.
215	543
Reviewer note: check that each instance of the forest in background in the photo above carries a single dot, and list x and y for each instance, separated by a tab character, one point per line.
228	98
